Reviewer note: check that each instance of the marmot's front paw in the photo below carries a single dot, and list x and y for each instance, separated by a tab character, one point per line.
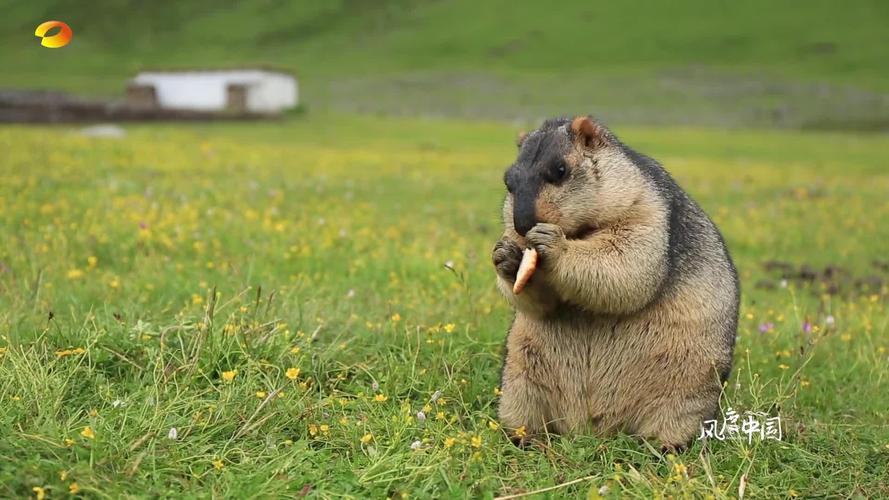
507	256
548	239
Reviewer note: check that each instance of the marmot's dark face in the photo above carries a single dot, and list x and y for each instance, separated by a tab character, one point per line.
541	162
569	173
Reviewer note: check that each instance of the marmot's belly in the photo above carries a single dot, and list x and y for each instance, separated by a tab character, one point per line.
608	374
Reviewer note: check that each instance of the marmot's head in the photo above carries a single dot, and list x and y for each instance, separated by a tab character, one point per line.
573	173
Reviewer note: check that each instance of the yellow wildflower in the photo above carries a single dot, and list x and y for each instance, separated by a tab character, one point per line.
476	441
396	318
521	432
92	260
88	433
497	391
196	299
261	394
75	274
39	492
69	442
493	425
218	464
313	430
449	442
228	376
292	373
294	350
783	366
324	428
380	398
449	327
367	438
74	488
680	471
70	352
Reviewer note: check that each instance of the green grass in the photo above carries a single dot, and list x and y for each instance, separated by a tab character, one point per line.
796	64
180	253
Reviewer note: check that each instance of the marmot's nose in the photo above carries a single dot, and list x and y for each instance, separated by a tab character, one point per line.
522	227
524	215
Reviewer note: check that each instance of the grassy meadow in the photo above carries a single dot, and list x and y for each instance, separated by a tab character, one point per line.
308	308
695	62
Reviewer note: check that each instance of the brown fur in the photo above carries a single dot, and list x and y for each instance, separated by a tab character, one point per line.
609	335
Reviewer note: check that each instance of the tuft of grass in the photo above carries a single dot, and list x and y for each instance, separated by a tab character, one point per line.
264	309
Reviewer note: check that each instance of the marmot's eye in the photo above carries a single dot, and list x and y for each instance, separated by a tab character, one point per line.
560	172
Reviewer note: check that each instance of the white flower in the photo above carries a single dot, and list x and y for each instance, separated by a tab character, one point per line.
421	416
435	396
173	434
416	445
350	293
829	320
375	386
449	264
783	283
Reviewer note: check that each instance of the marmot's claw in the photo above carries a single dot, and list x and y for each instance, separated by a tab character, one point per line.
507	255
547	239
519	442
675	449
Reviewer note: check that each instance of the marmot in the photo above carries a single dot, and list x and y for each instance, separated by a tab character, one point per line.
629	322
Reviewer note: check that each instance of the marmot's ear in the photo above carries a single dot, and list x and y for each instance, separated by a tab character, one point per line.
588	133
521	138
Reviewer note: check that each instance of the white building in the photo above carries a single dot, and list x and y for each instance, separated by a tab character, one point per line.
236	90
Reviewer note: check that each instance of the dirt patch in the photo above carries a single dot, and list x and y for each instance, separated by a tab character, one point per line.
831	279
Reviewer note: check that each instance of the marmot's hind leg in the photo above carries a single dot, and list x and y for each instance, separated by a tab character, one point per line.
676	423
522	407
523	403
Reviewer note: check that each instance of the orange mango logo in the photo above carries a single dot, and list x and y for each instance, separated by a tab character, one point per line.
60	39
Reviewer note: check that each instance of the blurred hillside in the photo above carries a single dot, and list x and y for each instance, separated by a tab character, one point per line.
810	64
